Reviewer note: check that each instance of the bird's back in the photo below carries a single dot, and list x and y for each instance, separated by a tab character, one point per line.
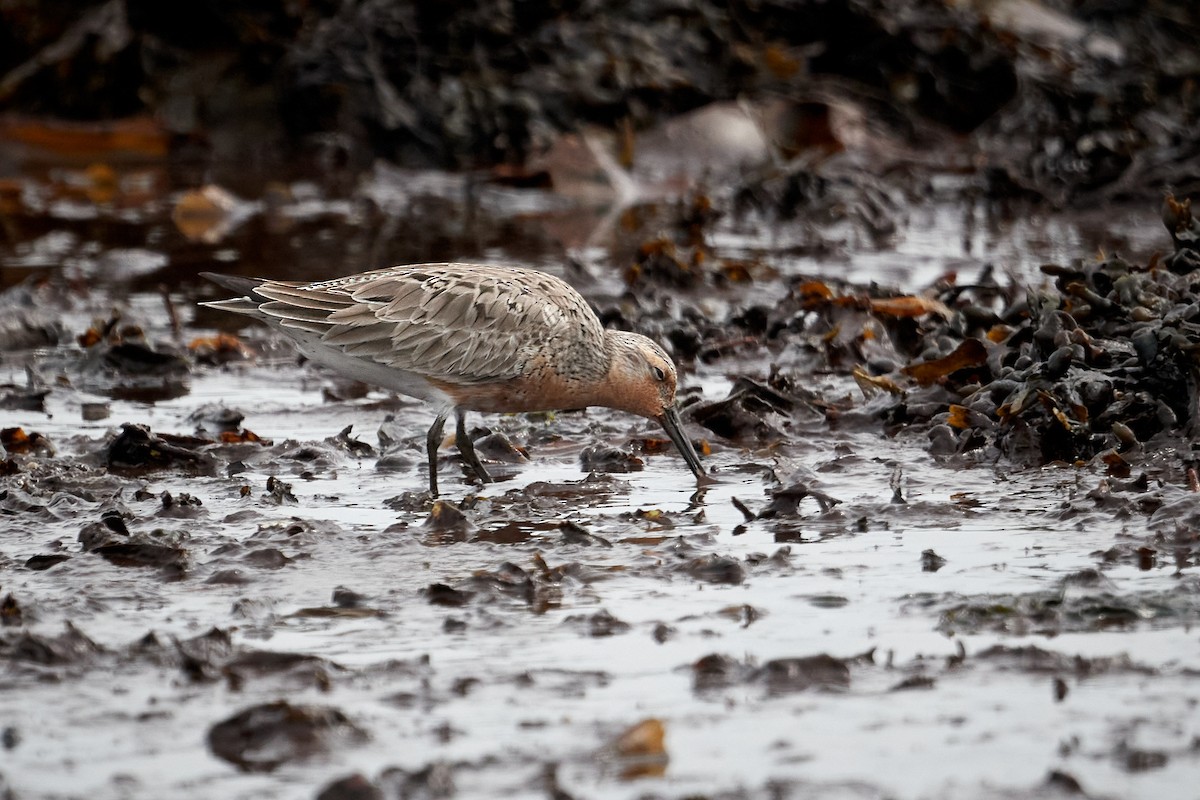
452	324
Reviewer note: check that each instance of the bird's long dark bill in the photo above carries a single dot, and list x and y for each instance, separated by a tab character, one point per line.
670	422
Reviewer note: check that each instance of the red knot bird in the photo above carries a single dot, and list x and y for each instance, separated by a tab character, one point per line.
469	338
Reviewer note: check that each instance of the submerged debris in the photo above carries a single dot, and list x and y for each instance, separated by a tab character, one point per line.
136	447
605	458
351	787
641	749
264	737
778	676
17	442
70	647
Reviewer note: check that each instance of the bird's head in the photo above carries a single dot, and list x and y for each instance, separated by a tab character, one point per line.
641	380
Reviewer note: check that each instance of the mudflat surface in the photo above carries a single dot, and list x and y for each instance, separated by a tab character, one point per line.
268	614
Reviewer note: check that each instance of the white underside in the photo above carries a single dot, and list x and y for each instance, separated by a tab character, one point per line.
367	371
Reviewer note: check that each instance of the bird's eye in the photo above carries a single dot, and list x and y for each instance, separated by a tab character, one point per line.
658	373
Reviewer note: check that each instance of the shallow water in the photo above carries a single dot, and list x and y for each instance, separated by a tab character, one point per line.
510	686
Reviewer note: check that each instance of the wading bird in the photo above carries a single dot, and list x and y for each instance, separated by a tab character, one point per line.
469	338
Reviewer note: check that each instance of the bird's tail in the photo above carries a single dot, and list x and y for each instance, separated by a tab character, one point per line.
246	304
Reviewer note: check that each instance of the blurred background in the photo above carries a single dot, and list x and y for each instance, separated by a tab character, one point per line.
152	140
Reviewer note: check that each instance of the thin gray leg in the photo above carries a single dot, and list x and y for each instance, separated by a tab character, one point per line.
432	440
467	448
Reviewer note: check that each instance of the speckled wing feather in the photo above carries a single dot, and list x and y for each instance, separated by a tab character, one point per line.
459	323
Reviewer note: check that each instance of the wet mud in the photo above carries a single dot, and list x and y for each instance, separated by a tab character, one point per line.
943	515
937	343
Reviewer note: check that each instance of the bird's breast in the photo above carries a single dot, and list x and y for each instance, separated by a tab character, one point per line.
540	388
